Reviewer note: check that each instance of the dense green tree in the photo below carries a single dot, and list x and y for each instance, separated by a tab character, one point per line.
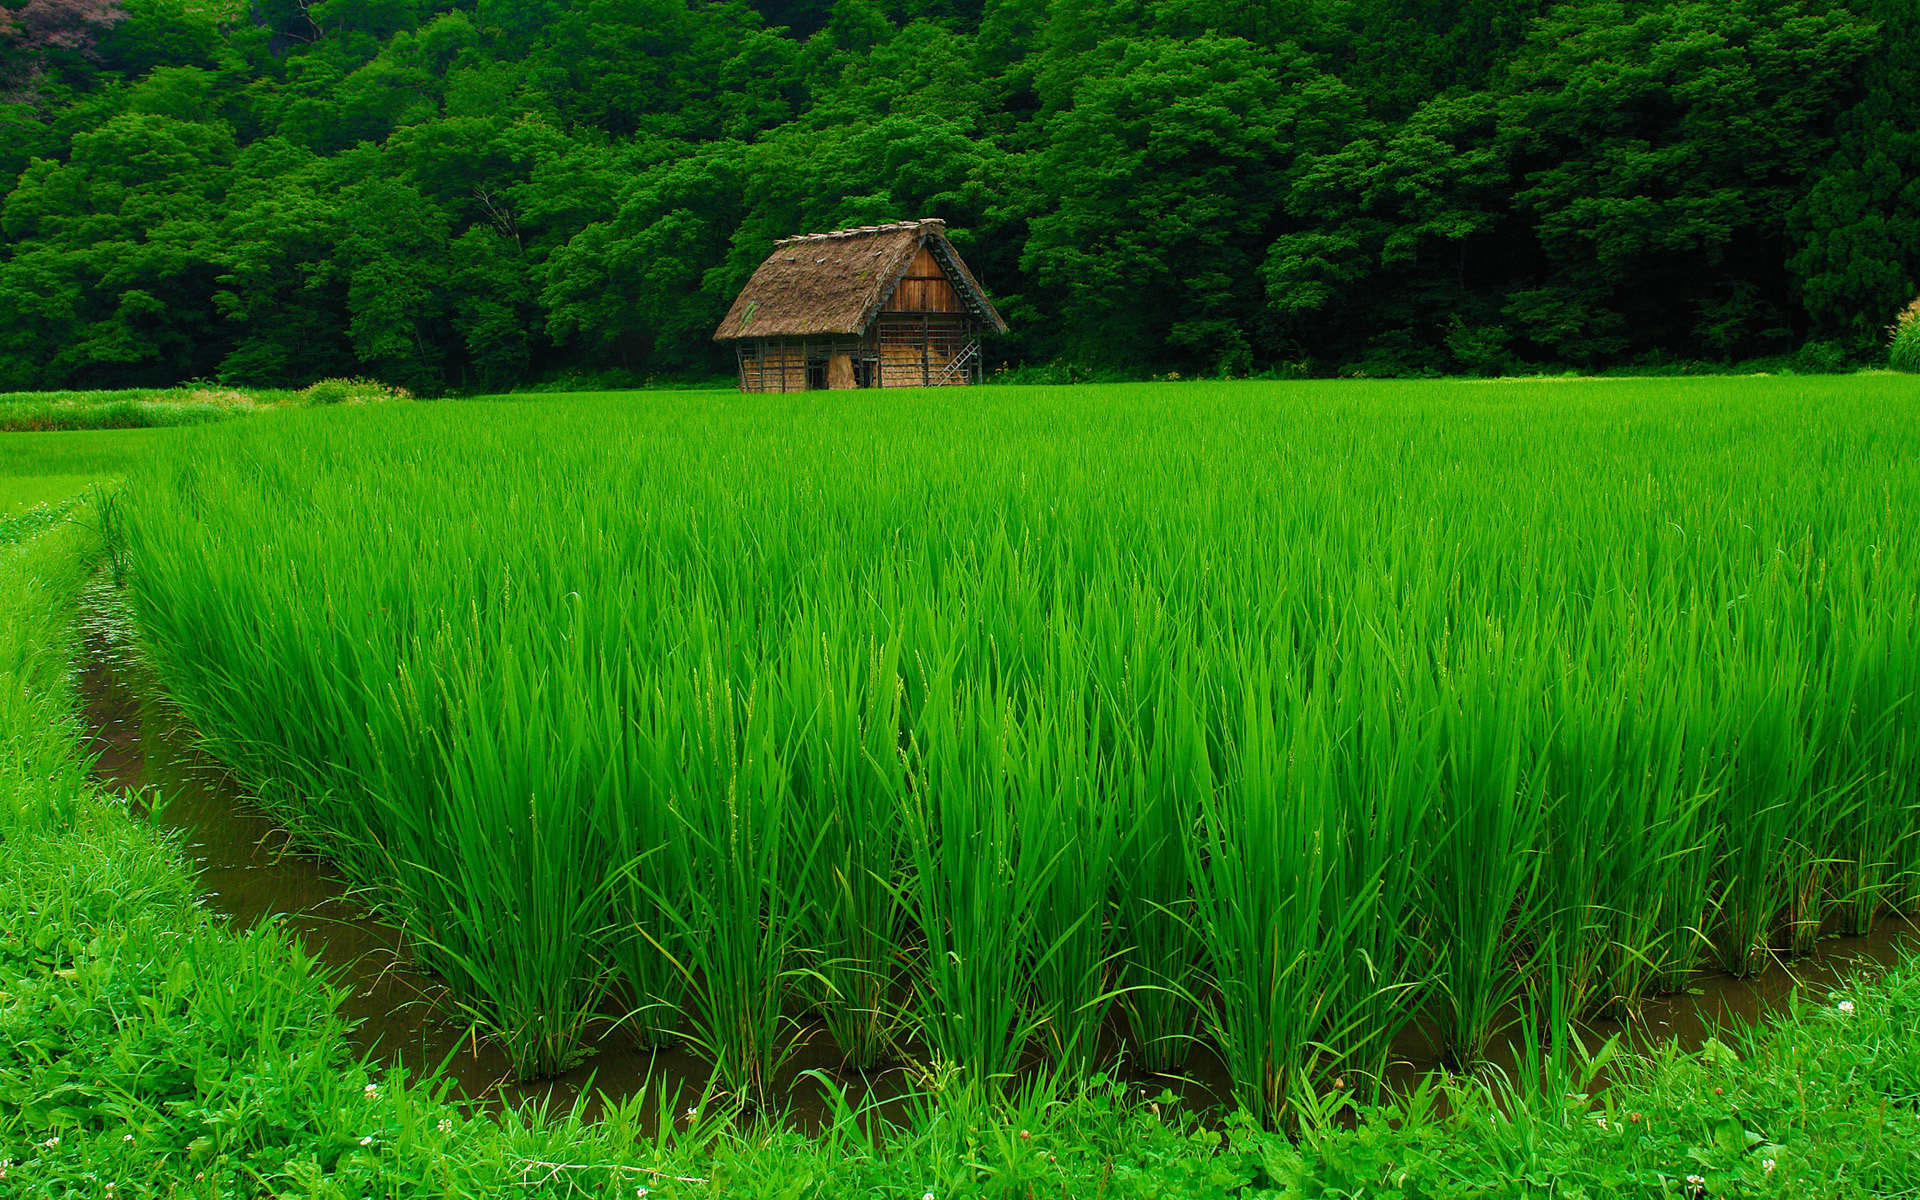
1166	173
392	257
1659	149
1396	256
472	193
114	255
282	305
1856	230
630	291
495	306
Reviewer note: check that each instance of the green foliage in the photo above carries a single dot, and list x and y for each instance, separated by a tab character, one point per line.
1904	353
141	408
480	197
348	391
1856	227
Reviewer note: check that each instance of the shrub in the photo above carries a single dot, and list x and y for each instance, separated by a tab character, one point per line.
1820	358
1904	355
1479	349
351	391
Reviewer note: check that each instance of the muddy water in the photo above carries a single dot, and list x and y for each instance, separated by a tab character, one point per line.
403	1014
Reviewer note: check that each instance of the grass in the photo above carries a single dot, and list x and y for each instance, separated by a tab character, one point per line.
1282	715
147	1049
41	468
145	408
1903	351
44	478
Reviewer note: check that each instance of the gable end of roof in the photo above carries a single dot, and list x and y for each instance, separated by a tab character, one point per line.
820	284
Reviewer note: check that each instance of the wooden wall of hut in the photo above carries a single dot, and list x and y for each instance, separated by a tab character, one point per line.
773	366
925	288
923	350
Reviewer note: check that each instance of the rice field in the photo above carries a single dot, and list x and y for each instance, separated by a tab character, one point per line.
993	728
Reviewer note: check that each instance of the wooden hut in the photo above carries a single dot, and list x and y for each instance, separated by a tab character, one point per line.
878	306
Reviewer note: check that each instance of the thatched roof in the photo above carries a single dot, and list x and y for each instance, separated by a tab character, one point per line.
834	283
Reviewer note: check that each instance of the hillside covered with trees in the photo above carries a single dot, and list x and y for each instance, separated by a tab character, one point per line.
483	193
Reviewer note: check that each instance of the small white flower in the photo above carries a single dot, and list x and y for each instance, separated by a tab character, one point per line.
929	1195
126	1137
692	1113
1845	1007
445	1125
367	1141
1600	1119
1767	1165
640	1192
370	1091
51	1142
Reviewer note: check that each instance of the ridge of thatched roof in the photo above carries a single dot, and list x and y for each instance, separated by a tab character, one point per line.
834	283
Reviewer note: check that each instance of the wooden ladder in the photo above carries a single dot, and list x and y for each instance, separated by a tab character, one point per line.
960	362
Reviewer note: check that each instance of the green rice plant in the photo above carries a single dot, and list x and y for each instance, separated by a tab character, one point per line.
515	918
1878	740
1657	857
1163	777
1276	904
737	915
973	888
635	810
1069	822
1386	763
849	797
1488	832
1627	852
1574	924
1768	772
1065	701
1687	773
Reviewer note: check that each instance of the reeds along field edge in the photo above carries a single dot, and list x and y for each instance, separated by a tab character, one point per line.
1028	724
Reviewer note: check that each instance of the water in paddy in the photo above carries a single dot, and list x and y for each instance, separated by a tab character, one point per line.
249	872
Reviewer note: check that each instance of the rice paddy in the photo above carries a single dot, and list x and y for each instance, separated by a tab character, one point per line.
1006	728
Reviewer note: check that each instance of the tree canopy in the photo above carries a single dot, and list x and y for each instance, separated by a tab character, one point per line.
483	193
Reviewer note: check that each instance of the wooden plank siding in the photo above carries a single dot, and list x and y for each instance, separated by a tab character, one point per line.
772	366
918	350
924	335
925	288
888	305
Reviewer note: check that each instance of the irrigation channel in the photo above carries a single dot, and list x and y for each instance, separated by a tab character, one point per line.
250	871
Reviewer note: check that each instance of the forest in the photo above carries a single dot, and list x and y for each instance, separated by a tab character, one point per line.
463	195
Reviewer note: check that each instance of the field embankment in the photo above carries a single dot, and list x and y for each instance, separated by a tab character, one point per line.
145	408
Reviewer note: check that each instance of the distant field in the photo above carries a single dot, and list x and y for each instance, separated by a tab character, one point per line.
23	492
995	724
142	408
39	469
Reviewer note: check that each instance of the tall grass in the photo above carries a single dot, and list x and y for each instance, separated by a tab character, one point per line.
848	794
1000	729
